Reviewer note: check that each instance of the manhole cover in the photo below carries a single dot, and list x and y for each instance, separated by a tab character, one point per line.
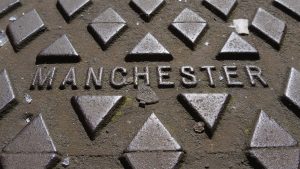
149	84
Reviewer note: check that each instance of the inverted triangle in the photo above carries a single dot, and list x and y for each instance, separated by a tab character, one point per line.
206	107
34	138
153	136
268	133
95	111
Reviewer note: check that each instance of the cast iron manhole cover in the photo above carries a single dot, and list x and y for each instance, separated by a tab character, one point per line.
149	84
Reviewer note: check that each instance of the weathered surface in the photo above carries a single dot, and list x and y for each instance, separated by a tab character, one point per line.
60	51
146	95
269	27
69	8
268	133
206	107
189	26
151	160
24	28
277	158
107	27
153	136
221	7
149	49
147	8
29	161
6	5
236	48
292	7
7	95
34	138
95	111
292	91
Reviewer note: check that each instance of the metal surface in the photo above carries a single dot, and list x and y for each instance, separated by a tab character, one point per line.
116	58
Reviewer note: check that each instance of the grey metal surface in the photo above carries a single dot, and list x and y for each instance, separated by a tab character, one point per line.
95	111
268	133
153	136
7	95
24	28
269	27
59	51
237	48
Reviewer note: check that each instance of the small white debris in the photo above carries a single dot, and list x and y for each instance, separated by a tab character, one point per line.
241	26
221	78
12	18
137	23
27	120
3	38
28	98
206	43
66	162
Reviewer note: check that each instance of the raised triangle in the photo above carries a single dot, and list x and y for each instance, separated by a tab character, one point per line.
188	16
268	133
149	45
206	106
33	138
153	160
238	48
277	158
109	16
60	50
149	49
95	111
153	136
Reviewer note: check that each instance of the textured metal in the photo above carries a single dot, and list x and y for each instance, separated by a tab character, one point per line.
29	161
60	51
151	160
147	8
7	95
277	158
69	8
268	133
222	7
95	111
292	91
190	26
7	5
34	138
149	49
206	107
236	48
106	27
24	28
269	27
153	136
291	7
